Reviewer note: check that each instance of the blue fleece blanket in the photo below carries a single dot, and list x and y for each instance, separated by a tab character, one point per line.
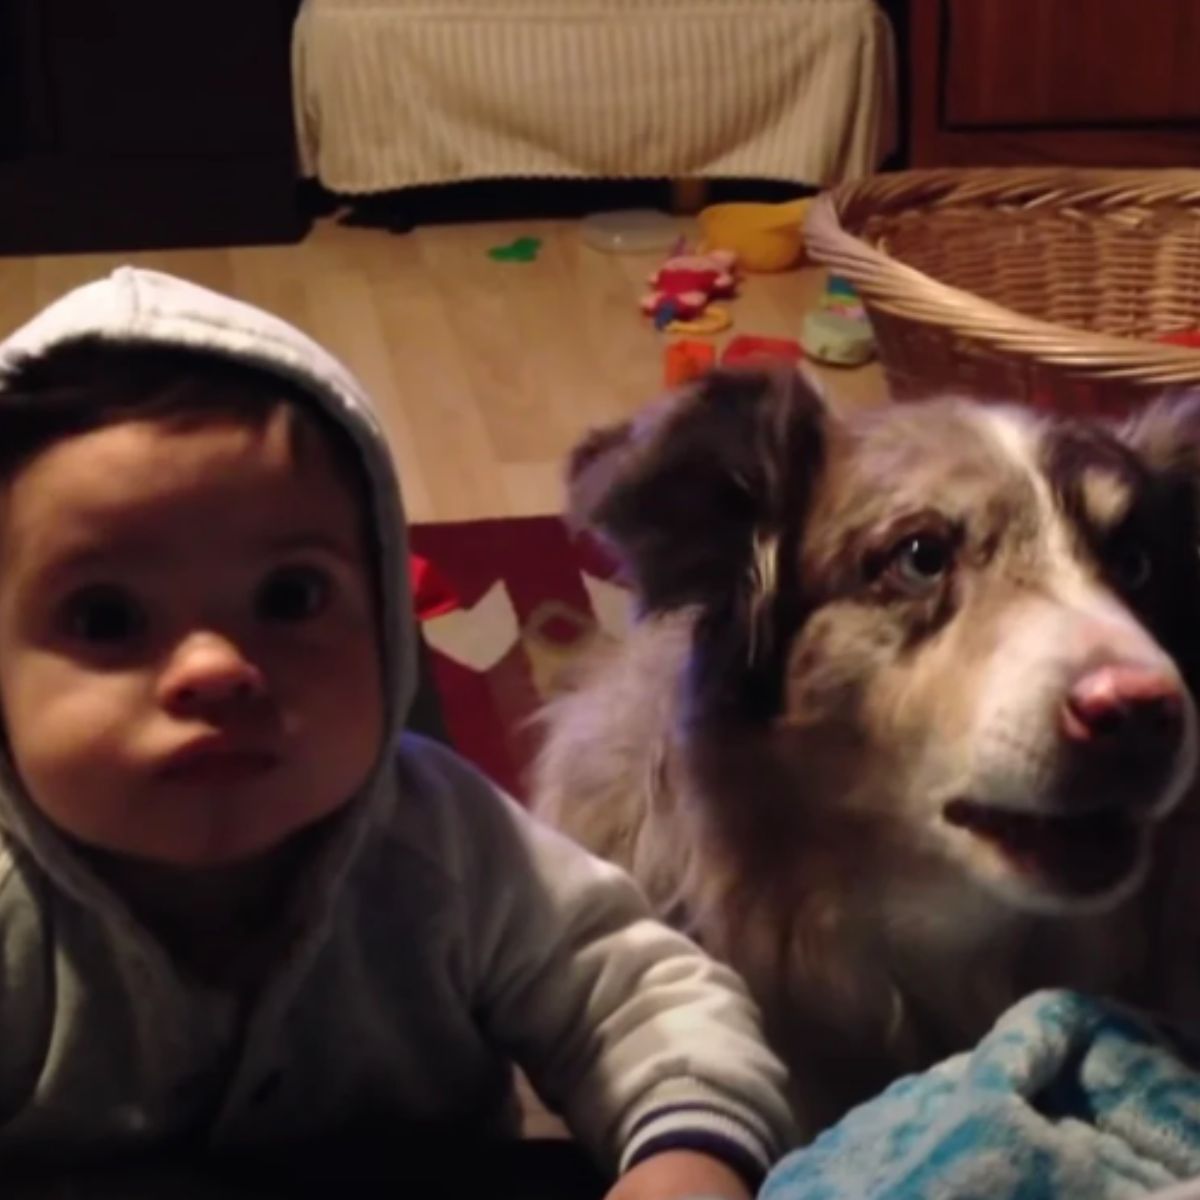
1066	1097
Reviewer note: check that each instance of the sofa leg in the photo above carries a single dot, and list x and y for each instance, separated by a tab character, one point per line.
688	196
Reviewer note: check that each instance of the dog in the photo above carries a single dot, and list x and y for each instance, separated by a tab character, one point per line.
906	724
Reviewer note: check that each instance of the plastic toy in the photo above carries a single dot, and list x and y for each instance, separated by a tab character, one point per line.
836	285
1182	337
840	297
632	231
683	286
765	237
685	360
433	596
524	249
840	341
837	331
748	348
714	319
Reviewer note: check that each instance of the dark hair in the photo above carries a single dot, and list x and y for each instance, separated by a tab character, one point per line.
89	383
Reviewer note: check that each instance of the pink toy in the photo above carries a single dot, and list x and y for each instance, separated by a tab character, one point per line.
684	284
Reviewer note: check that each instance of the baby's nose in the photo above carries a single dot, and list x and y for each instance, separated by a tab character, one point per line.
209	672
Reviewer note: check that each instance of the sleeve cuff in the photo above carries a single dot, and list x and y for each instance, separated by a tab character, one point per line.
704	1129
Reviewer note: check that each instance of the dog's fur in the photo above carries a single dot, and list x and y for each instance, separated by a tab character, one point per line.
775	749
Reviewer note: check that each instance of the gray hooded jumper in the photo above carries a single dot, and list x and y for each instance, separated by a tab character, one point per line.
443	935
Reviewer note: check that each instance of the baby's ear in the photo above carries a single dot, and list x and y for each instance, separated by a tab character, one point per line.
691	491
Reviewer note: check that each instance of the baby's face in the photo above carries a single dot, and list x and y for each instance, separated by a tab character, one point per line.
189	669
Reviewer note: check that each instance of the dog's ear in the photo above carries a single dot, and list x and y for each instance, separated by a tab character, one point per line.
686	489
1166	436
700	493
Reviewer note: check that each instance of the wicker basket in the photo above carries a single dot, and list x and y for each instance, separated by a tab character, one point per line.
1048	286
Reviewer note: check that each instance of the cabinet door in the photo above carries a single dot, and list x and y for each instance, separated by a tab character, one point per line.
1060	63
157	77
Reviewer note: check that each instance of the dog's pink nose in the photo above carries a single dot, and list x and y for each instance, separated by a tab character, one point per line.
1126	706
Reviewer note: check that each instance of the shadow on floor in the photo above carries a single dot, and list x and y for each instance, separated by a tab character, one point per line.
523	199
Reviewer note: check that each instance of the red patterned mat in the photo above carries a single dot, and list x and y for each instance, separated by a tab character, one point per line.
505	605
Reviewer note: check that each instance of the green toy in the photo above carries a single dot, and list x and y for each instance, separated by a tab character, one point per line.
524	249
837	332
837	286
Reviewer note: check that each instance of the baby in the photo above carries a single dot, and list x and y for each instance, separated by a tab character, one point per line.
240	910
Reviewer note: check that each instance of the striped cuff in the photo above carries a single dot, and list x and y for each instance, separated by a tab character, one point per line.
705	1129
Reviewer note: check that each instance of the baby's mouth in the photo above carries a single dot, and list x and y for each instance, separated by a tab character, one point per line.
1077	853
217	760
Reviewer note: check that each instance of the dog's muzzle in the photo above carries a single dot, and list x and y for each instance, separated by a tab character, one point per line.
1126	752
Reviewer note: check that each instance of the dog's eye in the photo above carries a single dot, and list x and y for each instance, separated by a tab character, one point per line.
1130	566
920	561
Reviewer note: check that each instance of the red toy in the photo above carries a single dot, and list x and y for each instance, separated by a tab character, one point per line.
747	348
686	360
684	284
432	594
1183	337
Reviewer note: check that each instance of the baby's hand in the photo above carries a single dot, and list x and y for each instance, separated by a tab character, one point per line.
680	1175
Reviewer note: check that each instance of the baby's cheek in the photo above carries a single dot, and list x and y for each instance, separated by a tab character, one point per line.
342	661
65	724
346	695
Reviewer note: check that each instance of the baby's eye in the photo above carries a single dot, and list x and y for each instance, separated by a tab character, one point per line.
104	615
292	594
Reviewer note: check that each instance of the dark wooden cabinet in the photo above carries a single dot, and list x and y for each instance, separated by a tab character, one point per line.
132	124
1096	82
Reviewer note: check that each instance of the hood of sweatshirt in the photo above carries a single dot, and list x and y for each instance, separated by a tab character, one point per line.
148	308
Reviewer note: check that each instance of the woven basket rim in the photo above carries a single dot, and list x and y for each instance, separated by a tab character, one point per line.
900	290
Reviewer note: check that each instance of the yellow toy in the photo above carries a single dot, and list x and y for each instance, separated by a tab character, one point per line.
765	237
713	319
